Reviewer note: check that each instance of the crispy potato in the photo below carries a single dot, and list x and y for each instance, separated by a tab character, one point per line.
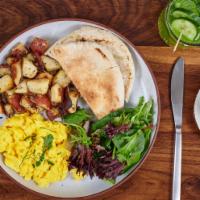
16	72
4	71
26	103
73	95
29	70
19	50
9	92
50	63
56	94
38	86
8	109
6	83
53	113
20	47
38	62
10	60
30	57
41	101
45	75
14	101
66	103
22	88
61	78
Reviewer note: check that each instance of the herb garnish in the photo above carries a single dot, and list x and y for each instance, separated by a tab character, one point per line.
50	162
48	140
32	137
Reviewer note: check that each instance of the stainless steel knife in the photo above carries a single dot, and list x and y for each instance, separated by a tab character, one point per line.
177	90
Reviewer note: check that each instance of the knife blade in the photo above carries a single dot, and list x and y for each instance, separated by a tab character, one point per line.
177	91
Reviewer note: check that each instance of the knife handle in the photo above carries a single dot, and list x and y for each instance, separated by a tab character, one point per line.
176	187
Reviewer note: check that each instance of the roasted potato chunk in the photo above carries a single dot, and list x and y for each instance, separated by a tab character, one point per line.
45	75
61	78
53	113
16	72
38	86
56	94
8	109
6	83
19	50
41	101
66	103
73	95
29	70
4	71
9	93
10	60
14	101
30	57
50	63
28	104
22	88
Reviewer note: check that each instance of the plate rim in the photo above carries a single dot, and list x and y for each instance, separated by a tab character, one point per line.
158	102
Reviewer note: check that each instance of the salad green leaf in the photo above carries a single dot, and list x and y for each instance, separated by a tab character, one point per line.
127	147
105	120
79	136
130	148
79	117
75	121
104	140
124	135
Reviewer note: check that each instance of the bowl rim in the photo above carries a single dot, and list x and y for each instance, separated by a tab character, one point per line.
158	102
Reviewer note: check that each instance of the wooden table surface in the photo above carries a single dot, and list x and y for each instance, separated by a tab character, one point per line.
137	20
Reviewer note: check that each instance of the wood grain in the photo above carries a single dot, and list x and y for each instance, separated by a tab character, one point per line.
137	20
162	66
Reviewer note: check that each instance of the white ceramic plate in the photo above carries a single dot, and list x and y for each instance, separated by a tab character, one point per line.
144	85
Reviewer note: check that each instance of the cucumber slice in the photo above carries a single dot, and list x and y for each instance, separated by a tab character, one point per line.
187	28
191	17
188	5
180	14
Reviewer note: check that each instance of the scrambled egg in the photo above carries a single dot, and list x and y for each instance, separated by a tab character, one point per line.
76	175
35	148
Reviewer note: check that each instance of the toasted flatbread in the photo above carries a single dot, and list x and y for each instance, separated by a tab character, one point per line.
118	49
94	72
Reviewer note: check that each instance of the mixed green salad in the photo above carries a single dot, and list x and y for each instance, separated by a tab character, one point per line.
112	145
181	20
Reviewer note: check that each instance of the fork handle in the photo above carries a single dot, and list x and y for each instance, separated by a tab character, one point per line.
176	186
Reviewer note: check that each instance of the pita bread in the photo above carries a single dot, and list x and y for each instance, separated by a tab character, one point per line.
118	49
94	72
